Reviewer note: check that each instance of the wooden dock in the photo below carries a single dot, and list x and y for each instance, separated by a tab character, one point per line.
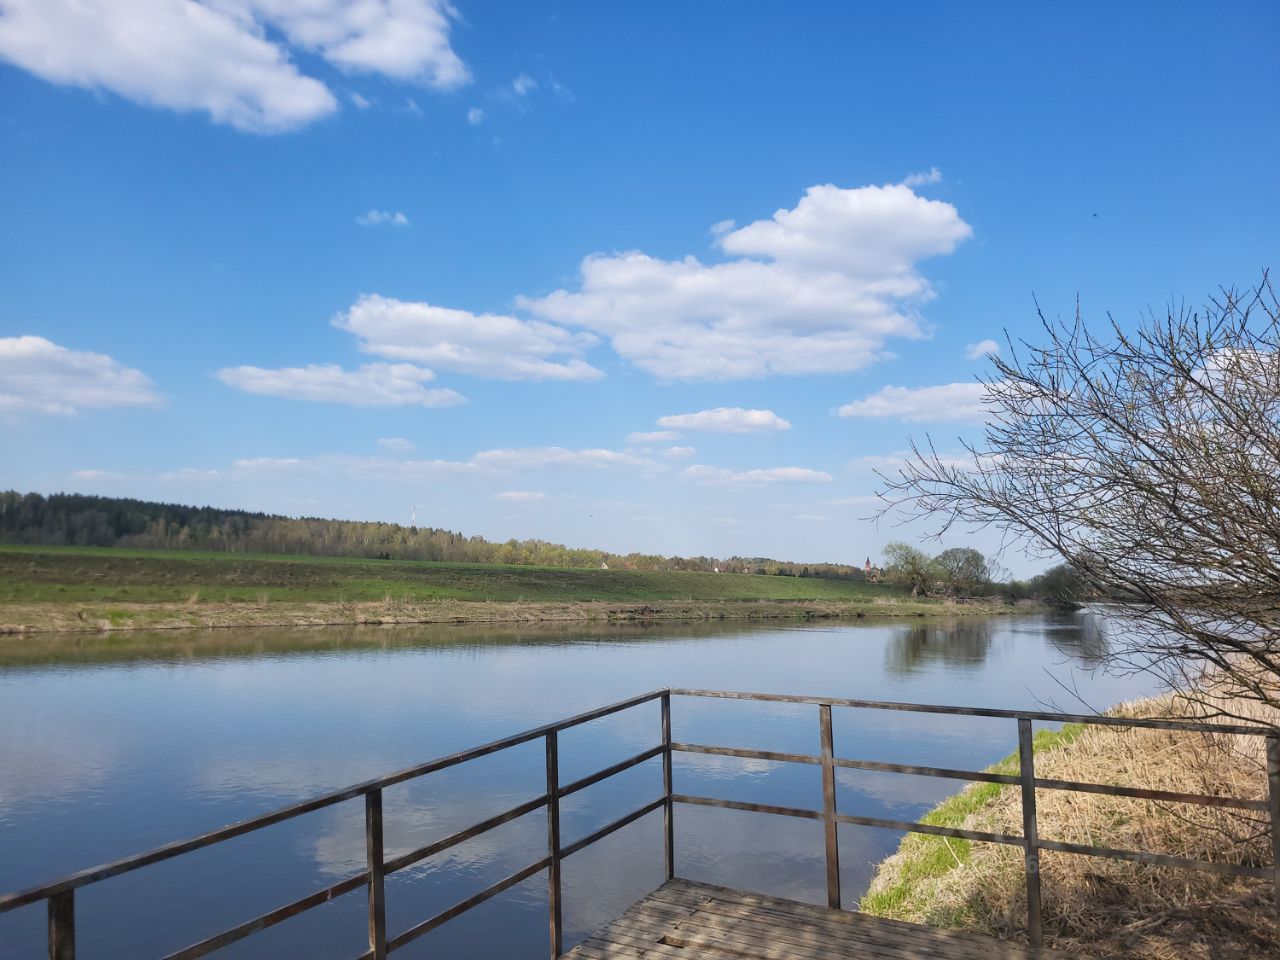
683	919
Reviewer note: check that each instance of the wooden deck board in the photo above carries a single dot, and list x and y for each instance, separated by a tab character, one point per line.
683	919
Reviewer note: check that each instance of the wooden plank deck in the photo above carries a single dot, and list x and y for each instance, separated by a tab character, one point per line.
683	919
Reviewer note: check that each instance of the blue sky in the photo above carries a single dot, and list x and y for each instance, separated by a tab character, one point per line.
339	259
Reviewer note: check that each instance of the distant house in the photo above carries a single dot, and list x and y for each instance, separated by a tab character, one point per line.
604	565
872	573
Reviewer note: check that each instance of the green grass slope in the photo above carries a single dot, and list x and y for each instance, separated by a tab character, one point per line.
76	575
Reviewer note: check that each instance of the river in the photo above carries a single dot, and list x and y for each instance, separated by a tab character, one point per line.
111	745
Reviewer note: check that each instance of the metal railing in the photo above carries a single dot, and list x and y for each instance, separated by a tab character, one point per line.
60	894
1026	779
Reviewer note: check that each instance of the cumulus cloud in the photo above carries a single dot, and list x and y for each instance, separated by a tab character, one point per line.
523	85
520	496
376	217
818	288
726	420
948	402
231	59
484	345
932	175
983	348
720	477
371	385
652	436
680	453
38	376
395	443
475	116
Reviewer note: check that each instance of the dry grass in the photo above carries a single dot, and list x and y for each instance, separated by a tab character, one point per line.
1109	908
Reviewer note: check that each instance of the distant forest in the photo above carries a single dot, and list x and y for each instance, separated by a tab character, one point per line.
69	519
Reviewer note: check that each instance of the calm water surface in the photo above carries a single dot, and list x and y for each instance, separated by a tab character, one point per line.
110	746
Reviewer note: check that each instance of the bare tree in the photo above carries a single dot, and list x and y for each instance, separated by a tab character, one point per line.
1150	462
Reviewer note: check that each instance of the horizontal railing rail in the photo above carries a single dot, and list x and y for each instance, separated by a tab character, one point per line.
1026	779
59	894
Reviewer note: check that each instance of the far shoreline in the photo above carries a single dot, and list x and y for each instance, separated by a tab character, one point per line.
26	619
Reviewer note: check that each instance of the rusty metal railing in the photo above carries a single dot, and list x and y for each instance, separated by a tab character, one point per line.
59	895
1026	779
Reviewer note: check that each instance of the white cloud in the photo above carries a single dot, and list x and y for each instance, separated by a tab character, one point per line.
680	453
563	93
395	443
946	403
475	116
524	84
231	59
861	501
815	289
375	217
726	420
190	473
520	496
538	457
270	463
976	351
720	477
363	103
889	462
96	475
485	345
38	376
372	385
652	436
932	175
363	468
486	462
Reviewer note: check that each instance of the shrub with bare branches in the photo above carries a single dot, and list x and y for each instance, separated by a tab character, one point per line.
1150	462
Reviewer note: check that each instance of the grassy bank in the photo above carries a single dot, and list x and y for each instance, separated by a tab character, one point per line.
1102	908
46	588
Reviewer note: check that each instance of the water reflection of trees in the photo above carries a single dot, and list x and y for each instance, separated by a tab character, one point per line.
963	644
966	644
1082	637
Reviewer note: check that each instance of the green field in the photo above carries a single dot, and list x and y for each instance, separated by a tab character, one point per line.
82	575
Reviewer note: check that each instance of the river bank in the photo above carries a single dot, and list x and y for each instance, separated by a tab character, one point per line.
32	618
1102	907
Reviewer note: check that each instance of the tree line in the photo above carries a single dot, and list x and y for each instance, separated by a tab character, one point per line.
965	572
69	519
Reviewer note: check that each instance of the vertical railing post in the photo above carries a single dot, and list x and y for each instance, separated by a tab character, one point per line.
668	811
376	856
1273	806
829	807
553	845
1030	832
62	926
